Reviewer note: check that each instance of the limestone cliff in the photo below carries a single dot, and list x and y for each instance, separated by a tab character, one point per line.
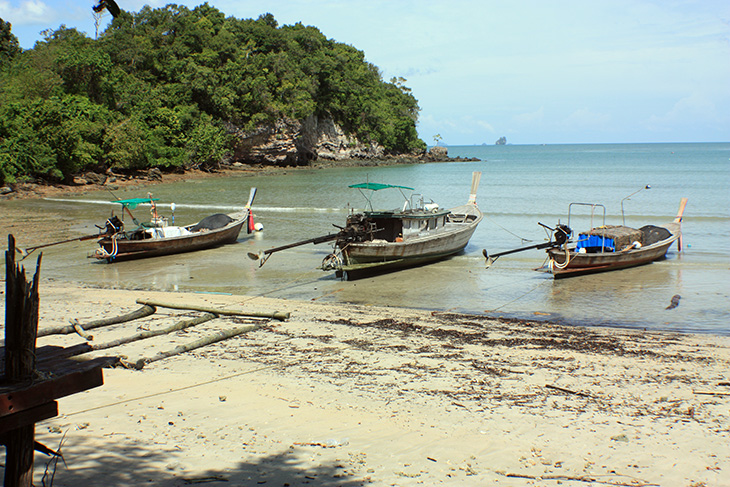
296	143
299	143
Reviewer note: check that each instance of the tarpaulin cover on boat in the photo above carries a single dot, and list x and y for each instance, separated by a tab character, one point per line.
616	236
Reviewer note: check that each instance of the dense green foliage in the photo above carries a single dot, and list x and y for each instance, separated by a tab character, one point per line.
167	88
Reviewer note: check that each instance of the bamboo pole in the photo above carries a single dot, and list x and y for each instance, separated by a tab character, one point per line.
208	340
277	315
91	347
68	329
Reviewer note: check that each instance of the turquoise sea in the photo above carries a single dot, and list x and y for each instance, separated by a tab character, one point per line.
520	186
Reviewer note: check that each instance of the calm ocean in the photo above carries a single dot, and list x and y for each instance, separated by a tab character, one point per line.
520	186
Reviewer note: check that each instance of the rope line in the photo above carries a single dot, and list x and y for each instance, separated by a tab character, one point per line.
513	234
518	297
170	391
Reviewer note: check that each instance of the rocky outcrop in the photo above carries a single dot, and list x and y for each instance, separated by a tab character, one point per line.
296	143
437	154
318	139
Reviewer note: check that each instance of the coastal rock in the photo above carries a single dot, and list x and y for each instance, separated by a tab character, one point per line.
290	142
95	178
89	178
154	174
331	142
437	154
6	190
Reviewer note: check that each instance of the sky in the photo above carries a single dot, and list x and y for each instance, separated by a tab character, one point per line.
535	72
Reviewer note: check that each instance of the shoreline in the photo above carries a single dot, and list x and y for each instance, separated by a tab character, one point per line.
362	395
144	179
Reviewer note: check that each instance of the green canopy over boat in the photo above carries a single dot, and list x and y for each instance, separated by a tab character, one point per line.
377	186
133	202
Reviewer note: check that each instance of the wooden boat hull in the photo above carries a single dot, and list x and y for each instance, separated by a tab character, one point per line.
371	257
589	263
116	249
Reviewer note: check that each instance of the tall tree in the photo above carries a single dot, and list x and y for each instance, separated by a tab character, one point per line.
9	45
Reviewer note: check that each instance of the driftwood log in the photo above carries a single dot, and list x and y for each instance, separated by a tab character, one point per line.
277	315
72	328
93	347
214	338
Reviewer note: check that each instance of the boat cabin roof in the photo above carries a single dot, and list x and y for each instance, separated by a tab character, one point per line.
377	186
132	203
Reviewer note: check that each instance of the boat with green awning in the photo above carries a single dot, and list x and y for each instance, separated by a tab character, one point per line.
376	241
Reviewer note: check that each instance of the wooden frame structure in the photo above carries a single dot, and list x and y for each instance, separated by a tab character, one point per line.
33	379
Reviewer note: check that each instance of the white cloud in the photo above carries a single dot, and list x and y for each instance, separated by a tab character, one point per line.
583	117
695	108
530	118
486	126
26	13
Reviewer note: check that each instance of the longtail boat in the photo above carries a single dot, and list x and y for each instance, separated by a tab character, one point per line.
158	238
605	247
376	241
612	247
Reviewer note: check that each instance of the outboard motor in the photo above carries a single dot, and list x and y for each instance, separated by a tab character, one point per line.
113	225
561	234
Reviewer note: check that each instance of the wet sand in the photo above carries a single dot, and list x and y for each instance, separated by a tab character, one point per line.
354	395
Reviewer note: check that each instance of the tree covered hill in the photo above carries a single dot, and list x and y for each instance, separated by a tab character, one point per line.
175	88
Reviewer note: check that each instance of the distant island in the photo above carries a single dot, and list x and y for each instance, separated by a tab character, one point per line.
501	141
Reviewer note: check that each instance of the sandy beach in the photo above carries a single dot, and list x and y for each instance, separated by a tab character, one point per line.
345	395
348	395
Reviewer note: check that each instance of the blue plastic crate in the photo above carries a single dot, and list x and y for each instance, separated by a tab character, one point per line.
595	243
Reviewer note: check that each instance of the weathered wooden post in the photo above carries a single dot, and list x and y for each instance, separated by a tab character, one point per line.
21	328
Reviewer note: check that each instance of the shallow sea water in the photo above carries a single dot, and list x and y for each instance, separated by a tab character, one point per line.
520	186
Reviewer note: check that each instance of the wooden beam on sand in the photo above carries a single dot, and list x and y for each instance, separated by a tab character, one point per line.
142	312
277	315
210	339
82	348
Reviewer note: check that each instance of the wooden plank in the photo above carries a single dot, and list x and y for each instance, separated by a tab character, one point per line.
54	361
29	416
41	392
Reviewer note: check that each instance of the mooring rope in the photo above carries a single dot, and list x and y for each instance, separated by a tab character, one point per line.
170	391
511	233
517	298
